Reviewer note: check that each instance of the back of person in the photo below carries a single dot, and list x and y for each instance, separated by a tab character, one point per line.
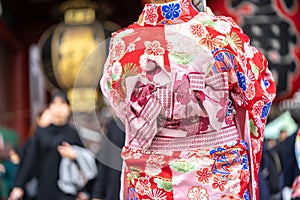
275	177
185	84
107	184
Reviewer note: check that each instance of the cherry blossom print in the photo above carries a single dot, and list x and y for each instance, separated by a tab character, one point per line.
140	95
150	15
191	128
223	103
143	185
234	186
185	7
116	70
249	51
203	175
197	193
203	123
219	184
153	170
222	27
202	17
154	48
230	21
157	160
185	109
131	47
256	143
198	30
137	155
229	120
182	89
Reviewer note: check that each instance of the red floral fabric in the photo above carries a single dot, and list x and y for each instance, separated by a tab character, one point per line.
181	75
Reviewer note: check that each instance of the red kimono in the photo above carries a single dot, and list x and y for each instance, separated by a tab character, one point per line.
194	96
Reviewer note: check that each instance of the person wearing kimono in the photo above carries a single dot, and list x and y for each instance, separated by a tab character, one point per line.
194	97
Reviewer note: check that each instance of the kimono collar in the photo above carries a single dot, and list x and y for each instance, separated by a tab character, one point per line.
168	13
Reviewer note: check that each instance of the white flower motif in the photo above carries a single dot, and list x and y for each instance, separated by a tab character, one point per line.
137	155
143	185
116	70
222	27
157	160
229	20
204	161
131	47
256	144
234	186
152	170
143	61
197	193
203	17
250	51
154	48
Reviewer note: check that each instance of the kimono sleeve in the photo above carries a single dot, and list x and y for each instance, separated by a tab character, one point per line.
252	86
114	94
252	91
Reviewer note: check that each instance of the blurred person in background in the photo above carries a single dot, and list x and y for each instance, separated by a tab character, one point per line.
283	134
108	182
57	153
9	160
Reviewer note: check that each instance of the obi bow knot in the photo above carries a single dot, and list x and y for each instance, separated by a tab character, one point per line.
192	93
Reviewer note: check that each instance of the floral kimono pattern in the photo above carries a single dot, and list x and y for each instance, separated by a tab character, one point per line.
194	96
